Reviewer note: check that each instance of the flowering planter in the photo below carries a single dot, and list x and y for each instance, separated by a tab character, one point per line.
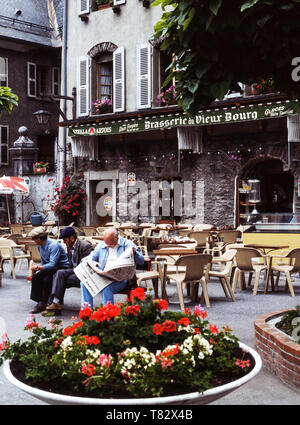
206	397
103	6
40	170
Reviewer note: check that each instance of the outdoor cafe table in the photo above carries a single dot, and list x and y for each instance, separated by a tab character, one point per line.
170	252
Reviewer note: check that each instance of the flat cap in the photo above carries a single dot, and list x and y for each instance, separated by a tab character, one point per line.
67	232
38	232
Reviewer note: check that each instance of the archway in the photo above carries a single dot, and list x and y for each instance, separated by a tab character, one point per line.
276	184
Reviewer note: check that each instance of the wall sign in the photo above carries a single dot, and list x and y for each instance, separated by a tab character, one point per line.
108	203
180	119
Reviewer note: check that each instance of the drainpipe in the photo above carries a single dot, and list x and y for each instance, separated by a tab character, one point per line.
235	209
64	91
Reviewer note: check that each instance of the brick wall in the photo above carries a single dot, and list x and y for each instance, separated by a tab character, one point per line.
280	355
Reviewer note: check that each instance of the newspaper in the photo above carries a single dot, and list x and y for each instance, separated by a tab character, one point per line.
95	279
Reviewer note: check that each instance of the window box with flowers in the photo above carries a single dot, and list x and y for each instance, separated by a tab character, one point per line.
166	97
264	86
103	106
136	352
103	4
69	200
40	167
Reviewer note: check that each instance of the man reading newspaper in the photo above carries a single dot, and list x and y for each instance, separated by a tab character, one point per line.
106	254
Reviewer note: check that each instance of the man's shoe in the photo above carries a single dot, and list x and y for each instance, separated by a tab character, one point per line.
38	308
51	313
53	306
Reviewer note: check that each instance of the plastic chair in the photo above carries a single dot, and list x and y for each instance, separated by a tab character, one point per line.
8	252
16	228
89	230
226	273
243	263
152	275
291	266
202	237
194	272
34	252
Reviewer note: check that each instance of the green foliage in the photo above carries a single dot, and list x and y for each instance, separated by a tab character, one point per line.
218	43
7	100
132	349
286	323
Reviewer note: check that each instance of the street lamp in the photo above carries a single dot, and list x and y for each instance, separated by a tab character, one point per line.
42	116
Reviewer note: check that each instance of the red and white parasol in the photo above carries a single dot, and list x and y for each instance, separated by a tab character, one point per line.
10	185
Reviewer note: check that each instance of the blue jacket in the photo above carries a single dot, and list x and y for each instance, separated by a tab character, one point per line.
53	255
100	253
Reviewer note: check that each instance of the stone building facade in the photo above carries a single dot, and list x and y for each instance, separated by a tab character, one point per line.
125	154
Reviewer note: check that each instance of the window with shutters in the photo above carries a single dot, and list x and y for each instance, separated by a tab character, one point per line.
83	7
3	72
108	81
83	106
42	80
4	144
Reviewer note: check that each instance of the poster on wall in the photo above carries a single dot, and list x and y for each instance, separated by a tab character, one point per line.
108	203
131	179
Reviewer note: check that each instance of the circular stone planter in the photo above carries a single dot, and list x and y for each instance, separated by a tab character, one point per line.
280	354
206	397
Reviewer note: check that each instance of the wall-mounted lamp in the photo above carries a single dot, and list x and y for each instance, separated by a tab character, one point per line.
84	18
116	9
42	116
146	3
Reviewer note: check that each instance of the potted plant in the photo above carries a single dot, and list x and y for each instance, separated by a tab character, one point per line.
136	352
103	106
166	97
103	4
69	200
264	86
40	167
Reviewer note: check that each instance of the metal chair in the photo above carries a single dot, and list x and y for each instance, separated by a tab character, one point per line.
243	263
194	272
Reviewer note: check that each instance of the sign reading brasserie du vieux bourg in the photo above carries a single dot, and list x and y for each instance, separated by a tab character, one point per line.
205	117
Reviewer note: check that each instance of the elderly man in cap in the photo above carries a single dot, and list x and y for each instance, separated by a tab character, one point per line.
105	252
53	258
77	249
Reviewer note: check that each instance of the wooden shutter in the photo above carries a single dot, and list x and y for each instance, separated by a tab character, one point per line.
83	6
117	2
119	80
31	79
83	86
143	76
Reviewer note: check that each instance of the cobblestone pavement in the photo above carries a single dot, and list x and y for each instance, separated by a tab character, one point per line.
264	389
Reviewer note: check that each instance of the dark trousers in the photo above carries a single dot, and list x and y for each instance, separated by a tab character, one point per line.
63	279
41	285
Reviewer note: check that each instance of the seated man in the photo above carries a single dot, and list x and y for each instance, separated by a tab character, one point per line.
77	249
105	252
53	258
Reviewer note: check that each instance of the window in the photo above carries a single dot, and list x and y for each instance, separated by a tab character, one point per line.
55	81
3	144
105	80
101	78
3	72
161	64
42	80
